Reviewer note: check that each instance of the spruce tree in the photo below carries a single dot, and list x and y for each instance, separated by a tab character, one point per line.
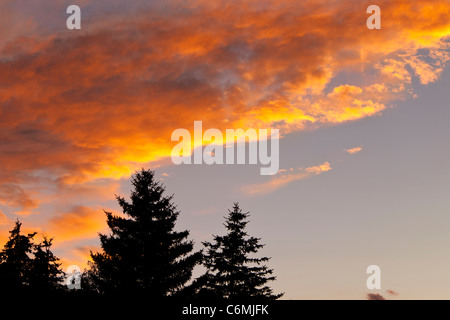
16	260
232	273
143	254
46	273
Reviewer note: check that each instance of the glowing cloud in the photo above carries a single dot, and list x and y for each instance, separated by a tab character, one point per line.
103	102
94	106
354	150
284	179
81	222
392	292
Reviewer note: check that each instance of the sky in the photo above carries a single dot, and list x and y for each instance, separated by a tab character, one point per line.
363	117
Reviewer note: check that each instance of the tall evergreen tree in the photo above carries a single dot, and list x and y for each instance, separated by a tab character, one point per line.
16	260
143	254
232	273
46	273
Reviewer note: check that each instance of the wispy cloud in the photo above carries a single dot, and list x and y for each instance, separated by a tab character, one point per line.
98	104
354	150
375	296
284	178
392	292
3	219
16	197
81	222
78	256
107	100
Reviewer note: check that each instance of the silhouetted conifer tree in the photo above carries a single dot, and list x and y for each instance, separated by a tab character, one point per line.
15	260
28	267
46	274
91	279
143	254
231	272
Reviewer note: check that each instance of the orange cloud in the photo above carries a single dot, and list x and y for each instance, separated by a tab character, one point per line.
3	219
80	223
319	169
14	196
78	256
5	223
284	179
353	150
100	103
90	107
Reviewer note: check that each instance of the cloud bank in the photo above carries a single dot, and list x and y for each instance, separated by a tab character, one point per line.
81	107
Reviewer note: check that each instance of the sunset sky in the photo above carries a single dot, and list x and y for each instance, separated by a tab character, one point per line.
363	114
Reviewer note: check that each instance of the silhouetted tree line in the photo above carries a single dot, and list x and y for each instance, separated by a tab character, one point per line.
143	255
26	266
